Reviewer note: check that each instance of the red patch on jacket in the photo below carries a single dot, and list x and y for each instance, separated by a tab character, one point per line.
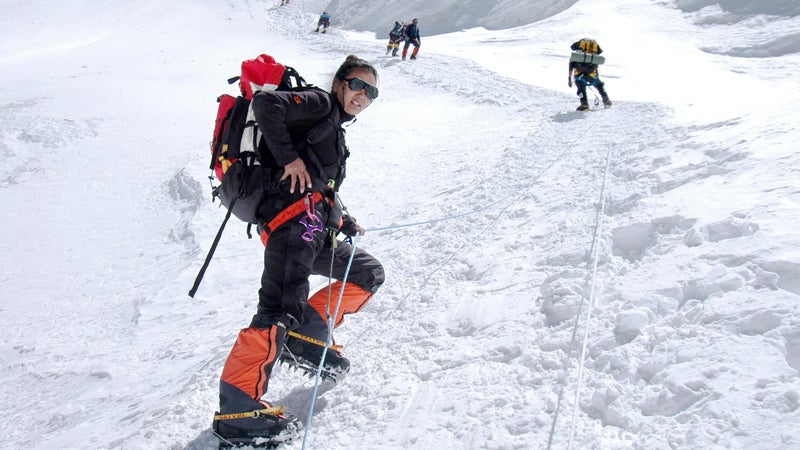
297	99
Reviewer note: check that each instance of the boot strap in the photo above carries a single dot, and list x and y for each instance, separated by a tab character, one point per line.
274	411
314	341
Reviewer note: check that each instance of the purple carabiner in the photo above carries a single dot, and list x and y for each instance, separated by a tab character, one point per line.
315	225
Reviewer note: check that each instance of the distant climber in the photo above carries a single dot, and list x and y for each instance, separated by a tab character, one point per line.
583	66
395	37
324	22
412	37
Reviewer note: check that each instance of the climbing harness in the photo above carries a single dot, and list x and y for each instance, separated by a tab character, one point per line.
290	212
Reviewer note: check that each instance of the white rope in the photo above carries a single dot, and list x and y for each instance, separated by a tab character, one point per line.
598	233
503	201
573	339
329	339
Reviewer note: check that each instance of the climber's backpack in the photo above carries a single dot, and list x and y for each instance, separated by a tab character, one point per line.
585	53
587	46
235	153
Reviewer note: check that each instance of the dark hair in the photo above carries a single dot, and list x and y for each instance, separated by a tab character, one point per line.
351	64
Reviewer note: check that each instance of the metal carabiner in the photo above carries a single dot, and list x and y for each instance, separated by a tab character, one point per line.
309	201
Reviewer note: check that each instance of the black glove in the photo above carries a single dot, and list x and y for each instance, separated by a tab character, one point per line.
349	226
569	81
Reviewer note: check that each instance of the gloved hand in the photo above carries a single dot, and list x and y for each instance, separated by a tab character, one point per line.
350	227
569	81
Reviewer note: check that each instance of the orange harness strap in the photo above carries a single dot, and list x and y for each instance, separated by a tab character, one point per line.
286	215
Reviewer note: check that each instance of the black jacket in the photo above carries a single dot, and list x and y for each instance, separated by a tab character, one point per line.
412	32
307	124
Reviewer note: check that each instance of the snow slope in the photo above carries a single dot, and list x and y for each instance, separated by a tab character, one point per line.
443	16
662	229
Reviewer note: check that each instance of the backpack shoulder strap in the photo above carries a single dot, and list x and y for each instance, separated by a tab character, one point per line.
292	80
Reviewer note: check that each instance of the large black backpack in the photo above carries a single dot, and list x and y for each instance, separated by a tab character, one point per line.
236	146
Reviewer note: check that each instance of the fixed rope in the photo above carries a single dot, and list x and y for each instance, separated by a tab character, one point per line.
503	199
331	325
582	357
525	190
587	327
596	98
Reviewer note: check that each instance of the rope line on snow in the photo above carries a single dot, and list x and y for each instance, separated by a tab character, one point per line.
331	321
492	222
496	202
442	219
331	325
587	327
596	248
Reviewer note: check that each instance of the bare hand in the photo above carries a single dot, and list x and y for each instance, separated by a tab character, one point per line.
297	173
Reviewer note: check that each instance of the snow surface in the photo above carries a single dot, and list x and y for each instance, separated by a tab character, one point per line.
442	16
684	195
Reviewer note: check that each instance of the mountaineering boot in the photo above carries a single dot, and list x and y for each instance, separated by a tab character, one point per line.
304	346
584	106
388	49
243	418
268	429
305	353
604	95
414	53
394	51
244	421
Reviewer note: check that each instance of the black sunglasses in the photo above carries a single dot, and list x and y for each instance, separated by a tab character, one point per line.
357	84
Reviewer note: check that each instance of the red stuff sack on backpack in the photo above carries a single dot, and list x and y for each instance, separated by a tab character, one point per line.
259	74
235	158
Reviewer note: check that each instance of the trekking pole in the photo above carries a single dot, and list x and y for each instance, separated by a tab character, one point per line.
211	251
